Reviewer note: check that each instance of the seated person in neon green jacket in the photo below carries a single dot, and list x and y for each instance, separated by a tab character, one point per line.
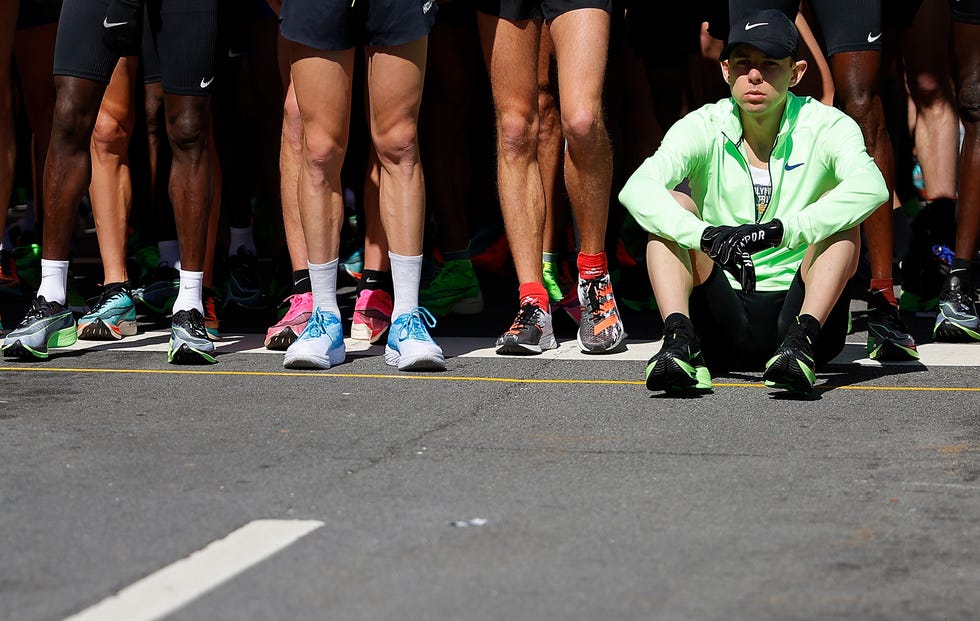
748	269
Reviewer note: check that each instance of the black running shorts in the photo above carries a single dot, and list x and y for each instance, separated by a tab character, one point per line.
33	13
181	32
847	25
741	331
79	51
334	25
519	10
184	34
965	11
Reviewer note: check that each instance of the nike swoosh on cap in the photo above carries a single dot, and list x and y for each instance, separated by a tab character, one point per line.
107	24
206	83
751	26
872	39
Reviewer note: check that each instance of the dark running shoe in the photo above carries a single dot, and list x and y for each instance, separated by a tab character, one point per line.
244	289
189	342
792	366
888	338
600	327
679	365
957	319
531	333
46	324
160	289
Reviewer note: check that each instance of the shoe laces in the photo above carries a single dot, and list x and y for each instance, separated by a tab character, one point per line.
679	342
415	327
598	296
192	321
318	324
797	340
958	291
107	294
39	309
886	313
528	315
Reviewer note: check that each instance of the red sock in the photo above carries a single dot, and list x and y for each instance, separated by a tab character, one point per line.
591	265
536	292
887	288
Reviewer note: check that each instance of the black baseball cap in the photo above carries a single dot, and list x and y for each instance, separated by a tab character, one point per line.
769	30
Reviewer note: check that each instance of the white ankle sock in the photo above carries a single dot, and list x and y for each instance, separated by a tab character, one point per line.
323	281
169	253
191	290
54	281
405	275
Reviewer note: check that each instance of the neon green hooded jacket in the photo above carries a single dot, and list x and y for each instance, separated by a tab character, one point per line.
823	181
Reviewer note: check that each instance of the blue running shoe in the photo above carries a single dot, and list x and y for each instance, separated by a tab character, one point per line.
189	343
46	324
320	345
957	319
112	317
410	347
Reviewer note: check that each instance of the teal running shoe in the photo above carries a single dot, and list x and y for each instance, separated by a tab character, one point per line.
454	290
112	317
46	324
410	347
320	345
189	342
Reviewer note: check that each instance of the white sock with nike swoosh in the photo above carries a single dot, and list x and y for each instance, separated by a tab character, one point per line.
191	290
54	281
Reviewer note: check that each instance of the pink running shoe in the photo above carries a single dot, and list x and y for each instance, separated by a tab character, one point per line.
372	315
280	336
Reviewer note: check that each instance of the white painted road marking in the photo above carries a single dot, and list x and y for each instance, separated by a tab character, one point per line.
930	354
174	586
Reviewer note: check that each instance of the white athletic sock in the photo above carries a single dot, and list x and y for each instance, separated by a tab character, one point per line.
240	238
54	281
405	275
323	282
169	253
191	291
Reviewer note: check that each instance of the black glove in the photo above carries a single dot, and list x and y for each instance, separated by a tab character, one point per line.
122	28
732	247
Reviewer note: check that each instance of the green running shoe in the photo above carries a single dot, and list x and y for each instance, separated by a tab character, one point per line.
679	365
189	342
454	290
46	324
792	367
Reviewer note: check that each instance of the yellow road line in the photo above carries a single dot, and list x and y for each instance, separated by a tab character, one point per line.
453	378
